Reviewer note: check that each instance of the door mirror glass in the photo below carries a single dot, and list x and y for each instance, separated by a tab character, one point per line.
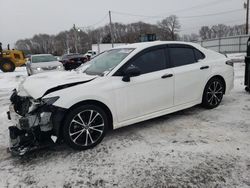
131	71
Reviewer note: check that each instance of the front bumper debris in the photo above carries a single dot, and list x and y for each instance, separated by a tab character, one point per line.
23	142
32	129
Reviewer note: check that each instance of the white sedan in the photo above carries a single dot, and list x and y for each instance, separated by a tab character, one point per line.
43	63
120	87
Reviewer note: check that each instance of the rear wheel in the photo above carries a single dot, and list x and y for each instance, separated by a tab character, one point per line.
7	65
213	93
85	127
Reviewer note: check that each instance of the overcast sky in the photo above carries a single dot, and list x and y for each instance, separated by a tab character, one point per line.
21	19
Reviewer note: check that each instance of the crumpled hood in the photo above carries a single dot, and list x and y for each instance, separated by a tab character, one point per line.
38	85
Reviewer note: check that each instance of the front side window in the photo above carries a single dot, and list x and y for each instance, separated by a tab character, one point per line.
107	61
181	56
150	61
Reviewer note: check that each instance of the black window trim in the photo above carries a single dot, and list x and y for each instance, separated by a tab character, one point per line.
119	72
203	55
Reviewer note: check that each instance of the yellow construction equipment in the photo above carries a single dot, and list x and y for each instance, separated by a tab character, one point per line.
10	59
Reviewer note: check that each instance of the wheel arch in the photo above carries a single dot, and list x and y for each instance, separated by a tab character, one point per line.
218	77
99	104
59	127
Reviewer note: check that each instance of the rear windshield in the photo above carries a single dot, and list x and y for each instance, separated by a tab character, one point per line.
43	58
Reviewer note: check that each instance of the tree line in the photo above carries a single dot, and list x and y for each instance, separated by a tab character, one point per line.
79	41
221	30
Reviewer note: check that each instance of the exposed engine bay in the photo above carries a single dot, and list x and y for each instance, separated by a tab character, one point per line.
32	123
36	121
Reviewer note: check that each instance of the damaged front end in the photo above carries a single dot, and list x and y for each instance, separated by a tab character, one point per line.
33	123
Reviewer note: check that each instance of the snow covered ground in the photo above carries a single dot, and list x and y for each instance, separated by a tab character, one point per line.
191	148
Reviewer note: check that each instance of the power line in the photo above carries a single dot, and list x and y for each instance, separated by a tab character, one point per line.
135	15
197	27
194	16
213	14
216	2
180	10
213	3
159	16
97	23
202	5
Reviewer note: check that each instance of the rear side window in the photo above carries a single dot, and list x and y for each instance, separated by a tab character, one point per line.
151	61
181	56
198	55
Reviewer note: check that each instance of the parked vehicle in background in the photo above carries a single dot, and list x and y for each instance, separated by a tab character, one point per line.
73	61
120	87
90	53
10	59
42	62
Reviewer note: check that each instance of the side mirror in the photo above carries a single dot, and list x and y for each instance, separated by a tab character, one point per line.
131	71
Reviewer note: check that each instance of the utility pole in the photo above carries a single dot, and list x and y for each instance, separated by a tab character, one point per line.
76	38
111	29
246	6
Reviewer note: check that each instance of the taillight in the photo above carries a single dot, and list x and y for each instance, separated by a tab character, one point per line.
230	63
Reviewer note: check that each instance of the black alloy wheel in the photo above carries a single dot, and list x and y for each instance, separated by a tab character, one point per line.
213	93
85	127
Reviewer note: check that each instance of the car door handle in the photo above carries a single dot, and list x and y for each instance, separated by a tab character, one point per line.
167	76
204	67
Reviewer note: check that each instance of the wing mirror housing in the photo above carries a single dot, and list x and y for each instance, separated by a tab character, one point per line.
131	71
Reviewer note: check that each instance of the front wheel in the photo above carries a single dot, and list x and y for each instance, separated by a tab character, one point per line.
213	93
7	66
85	127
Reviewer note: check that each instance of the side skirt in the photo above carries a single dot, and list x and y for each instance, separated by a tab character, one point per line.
156	114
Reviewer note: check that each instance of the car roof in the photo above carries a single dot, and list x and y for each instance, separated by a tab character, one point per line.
144	45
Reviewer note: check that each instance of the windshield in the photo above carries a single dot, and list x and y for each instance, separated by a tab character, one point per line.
106	61
43	58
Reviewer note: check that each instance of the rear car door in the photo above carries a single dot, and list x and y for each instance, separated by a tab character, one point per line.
150	92
190	71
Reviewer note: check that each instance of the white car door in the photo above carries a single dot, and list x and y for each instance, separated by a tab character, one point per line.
150	92
190	72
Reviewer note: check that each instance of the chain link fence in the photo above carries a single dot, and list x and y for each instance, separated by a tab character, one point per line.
235	44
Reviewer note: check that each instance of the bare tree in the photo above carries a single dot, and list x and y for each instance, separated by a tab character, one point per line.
76	40
190	38
205	32
221	30
170	27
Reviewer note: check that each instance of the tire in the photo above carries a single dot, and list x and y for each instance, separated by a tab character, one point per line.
85	127
7	66
213	93
247	89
